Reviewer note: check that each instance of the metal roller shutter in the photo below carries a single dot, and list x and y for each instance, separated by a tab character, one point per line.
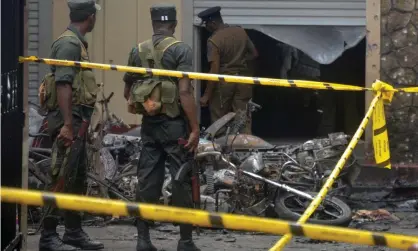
291	12
33	49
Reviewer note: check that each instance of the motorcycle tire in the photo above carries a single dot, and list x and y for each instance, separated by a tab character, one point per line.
286	213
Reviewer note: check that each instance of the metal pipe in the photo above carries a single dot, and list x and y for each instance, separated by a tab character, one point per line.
287	155
281	186
258	177
40	150
206	154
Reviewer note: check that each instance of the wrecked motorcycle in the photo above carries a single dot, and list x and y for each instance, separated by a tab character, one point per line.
245	174
305	165
248	187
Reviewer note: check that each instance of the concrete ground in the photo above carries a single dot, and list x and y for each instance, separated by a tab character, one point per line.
123	238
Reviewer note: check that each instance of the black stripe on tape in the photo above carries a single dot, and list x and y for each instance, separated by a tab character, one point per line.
256	81
328	86
149	71
216	221
77	63
39	60
379	240
296	229
49	200
383	163
113	67
291	83
185	75
379	130
221	79
133	209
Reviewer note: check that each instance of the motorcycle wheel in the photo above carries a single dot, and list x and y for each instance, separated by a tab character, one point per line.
332	211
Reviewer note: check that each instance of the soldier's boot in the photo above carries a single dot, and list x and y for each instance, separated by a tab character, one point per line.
186	240
144	240
50	240
75	236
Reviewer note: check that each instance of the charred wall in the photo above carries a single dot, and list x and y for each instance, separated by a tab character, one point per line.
399	66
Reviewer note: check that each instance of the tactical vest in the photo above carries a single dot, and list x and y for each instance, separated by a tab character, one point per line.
155	95
84	87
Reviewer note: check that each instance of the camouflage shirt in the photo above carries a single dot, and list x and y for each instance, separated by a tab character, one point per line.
177	57
67	48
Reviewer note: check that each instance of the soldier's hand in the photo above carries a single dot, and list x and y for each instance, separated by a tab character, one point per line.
193	141
66	135
204	101
413	247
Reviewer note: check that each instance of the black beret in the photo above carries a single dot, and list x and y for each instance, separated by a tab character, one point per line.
210	13
163	12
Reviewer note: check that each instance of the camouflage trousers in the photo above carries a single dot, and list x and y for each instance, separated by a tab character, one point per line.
64	178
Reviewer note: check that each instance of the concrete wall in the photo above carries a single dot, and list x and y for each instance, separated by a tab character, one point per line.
120	26
399	66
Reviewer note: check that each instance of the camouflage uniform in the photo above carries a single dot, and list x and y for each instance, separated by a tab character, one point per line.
71	45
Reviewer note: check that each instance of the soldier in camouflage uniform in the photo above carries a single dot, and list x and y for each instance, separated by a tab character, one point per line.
177	118
229	50
67	109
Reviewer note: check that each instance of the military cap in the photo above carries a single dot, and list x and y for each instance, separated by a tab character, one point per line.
83	5
163	12
209	14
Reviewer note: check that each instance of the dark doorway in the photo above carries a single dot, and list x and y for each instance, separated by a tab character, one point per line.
297	113
12	116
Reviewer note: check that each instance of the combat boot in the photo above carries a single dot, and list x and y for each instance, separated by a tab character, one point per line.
75	236
186	240
144	240
50	240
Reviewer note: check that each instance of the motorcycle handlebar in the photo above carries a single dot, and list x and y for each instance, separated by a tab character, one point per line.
110	96
215	154
257	106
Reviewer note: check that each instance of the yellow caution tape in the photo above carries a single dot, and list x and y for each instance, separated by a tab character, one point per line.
383	93
380	138
408	89
380	132
204	218
340	165
200	76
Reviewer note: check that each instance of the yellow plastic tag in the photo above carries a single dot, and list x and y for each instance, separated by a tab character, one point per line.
380	136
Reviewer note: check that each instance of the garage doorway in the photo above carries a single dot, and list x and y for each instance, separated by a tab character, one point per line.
290	115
